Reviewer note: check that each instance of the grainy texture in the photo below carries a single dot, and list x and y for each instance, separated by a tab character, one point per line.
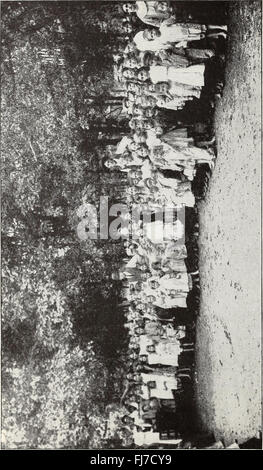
228	386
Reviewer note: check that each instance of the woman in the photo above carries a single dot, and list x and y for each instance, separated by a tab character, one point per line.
175	146
150	438
190	77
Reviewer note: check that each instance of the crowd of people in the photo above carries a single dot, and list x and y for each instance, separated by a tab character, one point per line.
162	73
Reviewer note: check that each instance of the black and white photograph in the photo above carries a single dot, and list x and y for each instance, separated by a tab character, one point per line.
131	226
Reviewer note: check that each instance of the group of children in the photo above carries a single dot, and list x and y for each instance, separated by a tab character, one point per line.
161	70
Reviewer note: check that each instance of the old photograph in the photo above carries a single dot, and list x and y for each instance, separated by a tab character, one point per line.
131	225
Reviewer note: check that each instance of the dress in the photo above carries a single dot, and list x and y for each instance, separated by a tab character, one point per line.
193	75
180	32
158	232
148	438
144	45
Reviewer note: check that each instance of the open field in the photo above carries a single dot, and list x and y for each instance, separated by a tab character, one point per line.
228	352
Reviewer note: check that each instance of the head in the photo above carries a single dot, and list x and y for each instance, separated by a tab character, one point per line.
162	101
145	407
110	164
150	298
147	125
142	150
133	86
162	7
151	33
139	331
133	123
126	28
134	397
149	112
140	323
127	420
133	147
130	47
162	87
143	74
137	110
156	265
151	384
133	356
130	376
131	97
129	74
145	276
130	63
158	130
143	267
143	358
129	7
140	137
150	348
153	284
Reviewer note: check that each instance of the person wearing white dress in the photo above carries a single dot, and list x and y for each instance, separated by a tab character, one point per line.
163	301
174	281
144	45
158	232
167	357
150	438
192	75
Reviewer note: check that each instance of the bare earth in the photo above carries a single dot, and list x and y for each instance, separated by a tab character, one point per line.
228	351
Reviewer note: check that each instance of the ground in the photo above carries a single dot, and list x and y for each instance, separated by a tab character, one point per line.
228	354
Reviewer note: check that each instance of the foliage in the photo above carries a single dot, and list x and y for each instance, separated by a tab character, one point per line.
63	335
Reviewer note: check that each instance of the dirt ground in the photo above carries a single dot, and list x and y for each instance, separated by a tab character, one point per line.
228	350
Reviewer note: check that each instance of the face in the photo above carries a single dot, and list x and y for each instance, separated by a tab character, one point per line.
139	331
136	181
143	151
143	358
131	46
149	112
133	398
128	73
150	298
162	7
150	349
137	110
133	124
131	96
127	28
158	130
109	164
133	356
162	87
128	7
131	63
150	34
127	420
133	87
141	139
147	125
144	101
151	101
143	75
153	284
133	147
